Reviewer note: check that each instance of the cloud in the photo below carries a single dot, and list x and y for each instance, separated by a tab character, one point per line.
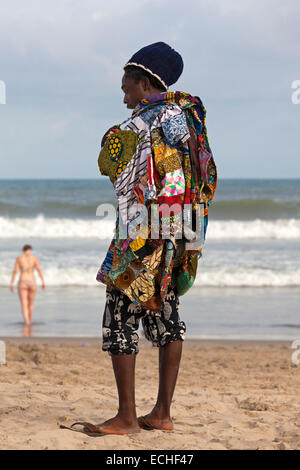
62	64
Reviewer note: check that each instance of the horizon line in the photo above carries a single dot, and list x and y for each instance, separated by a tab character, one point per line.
105	177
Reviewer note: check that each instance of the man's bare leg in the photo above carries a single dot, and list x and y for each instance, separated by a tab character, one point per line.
126	419
169	361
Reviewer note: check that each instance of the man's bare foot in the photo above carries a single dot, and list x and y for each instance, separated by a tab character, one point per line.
114	425
154	421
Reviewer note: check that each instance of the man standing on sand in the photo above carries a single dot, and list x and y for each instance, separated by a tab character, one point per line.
163	162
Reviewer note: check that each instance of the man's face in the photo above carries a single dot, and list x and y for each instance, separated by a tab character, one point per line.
133	92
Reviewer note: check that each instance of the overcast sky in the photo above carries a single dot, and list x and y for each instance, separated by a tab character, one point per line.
61	61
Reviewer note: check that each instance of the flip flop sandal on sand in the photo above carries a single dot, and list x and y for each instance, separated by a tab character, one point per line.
144	424
94	429
86	429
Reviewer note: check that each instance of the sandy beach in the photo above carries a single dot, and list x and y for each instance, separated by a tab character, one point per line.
230	395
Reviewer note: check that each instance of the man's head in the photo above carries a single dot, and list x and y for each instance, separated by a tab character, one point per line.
137	84
27	249
150	70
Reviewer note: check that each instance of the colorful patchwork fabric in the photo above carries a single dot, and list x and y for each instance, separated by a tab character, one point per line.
163	166
117	151
173	183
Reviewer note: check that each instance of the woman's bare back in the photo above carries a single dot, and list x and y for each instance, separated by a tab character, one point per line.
27	265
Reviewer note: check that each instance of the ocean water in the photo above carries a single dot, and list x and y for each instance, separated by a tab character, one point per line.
248	279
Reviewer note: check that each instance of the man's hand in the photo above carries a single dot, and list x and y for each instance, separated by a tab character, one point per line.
11	288
154	303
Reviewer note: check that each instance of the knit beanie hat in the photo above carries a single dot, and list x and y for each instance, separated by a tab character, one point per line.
160	60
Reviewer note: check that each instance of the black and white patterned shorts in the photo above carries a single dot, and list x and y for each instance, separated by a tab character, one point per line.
121	321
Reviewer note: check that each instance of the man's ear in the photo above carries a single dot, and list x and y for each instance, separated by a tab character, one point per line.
145	82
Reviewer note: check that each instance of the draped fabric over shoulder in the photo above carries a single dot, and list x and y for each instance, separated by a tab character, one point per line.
164	177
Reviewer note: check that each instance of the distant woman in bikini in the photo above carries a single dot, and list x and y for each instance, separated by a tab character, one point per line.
26	263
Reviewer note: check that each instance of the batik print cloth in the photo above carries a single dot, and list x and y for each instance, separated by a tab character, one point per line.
169	173
122	317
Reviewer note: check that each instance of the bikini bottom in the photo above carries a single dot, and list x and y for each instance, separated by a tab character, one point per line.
24	284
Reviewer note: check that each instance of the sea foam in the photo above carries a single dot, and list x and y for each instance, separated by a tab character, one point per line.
223	276
46	227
